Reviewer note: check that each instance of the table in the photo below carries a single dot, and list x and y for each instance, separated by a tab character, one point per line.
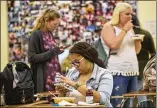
44	104
140	93
39	96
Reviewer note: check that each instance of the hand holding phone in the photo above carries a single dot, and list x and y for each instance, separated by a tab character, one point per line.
62	87
64	46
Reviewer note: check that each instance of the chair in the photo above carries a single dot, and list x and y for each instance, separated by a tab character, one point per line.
124	103
145	104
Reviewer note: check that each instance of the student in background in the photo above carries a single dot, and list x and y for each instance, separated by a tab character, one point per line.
43	51
147	50
148	46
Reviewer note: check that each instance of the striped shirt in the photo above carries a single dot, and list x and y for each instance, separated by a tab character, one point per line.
101	80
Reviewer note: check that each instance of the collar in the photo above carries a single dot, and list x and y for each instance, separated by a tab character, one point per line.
94	71
93	76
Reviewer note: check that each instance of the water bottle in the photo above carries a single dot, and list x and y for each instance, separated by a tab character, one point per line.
89	96
57	78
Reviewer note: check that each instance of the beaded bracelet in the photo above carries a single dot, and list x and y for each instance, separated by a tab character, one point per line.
77	85
124	30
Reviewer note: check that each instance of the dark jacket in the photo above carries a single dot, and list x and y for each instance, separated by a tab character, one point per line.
38	57
148	48
2	78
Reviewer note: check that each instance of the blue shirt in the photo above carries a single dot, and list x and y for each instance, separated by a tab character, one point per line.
101	80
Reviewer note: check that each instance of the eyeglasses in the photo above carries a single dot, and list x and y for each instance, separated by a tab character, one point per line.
76	63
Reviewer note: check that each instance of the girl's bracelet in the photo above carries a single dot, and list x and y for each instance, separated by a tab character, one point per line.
124	30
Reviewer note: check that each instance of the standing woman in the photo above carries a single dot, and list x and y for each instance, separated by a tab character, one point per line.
43	51
117	36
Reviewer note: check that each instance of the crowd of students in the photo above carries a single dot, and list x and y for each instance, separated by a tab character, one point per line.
67	23
79	21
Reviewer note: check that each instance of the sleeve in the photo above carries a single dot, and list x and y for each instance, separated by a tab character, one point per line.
35	57
2	78
151	44
72	74
105	88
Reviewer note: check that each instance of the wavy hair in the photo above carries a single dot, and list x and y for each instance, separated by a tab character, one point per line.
40	21
120	7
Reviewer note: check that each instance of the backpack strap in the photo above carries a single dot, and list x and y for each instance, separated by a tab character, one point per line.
15	75
14	66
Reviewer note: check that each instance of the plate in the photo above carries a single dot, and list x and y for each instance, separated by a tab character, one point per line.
138	37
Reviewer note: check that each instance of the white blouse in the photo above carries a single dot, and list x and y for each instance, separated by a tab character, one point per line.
124	62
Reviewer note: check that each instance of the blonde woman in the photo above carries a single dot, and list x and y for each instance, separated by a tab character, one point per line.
117	36
43	51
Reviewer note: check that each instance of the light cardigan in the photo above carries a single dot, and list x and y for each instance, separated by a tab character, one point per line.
101	80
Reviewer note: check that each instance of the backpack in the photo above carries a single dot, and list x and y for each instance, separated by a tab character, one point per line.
101	52
149	75
18	83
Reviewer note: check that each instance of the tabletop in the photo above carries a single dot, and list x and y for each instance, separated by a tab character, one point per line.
44	104
140	93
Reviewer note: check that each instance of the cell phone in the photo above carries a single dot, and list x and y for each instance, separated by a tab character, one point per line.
59	84
64	47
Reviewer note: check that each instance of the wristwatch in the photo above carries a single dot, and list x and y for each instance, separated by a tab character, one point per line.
77	85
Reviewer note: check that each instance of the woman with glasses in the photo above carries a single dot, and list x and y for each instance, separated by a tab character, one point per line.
43	51
88	73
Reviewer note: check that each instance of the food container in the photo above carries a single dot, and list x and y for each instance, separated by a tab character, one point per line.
68	99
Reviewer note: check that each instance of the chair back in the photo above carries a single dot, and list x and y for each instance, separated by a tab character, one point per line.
145	104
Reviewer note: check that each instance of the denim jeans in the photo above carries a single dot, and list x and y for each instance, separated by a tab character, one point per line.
121	85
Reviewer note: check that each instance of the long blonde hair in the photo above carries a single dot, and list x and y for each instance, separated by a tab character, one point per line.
50	14
116	13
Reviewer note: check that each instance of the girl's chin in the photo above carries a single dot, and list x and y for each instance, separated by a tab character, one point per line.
80	71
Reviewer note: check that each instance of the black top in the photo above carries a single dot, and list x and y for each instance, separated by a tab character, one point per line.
38	57
148	48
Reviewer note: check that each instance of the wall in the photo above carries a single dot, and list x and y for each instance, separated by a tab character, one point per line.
147	12
4	35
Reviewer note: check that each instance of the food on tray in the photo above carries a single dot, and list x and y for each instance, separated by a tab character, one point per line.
138	37
68	99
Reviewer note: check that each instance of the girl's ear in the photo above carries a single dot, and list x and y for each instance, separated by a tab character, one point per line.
46	20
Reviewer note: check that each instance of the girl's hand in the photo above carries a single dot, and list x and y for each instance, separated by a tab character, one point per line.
61	90
138	41
128	25
67	81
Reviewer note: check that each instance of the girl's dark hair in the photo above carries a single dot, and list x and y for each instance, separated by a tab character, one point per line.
88	52
135	20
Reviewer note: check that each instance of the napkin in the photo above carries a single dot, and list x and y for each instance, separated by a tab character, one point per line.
65	103
86	104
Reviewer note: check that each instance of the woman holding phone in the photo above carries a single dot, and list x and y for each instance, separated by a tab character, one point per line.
43	51
87	73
